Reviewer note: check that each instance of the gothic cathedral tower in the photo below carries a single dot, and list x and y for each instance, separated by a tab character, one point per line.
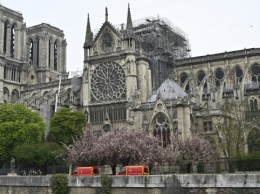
46	54
115	75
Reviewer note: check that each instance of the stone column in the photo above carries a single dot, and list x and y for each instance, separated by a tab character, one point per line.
35	56
2	26
17	42
1	81
64	57
186	122
44	50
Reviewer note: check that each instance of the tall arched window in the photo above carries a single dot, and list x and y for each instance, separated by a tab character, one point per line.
219	75
49	53
5	71
14	96
162	128
31	51
253	104
6	95
183	78
200	77
13	73
55	56
238	75
12	43
255	73
5	36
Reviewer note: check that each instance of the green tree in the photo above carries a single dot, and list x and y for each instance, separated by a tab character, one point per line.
38	155
18	125
231	127
66	125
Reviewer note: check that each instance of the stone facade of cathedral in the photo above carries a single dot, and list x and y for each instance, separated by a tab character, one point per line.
140	75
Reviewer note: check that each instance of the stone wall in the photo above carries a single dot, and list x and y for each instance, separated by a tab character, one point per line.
153	184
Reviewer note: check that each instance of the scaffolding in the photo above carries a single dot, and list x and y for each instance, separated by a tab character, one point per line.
163	43
160	40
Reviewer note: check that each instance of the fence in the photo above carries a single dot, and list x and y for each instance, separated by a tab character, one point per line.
247	165
33	171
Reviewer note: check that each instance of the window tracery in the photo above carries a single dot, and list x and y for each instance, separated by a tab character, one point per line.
200	77
183	78
5	35
207	125
12	41
253	104
55	56
115	112
255	73
108	83
238	74
162	128
219	75
107	43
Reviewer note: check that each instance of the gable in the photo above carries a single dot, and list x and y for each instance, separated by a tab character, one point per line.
107	40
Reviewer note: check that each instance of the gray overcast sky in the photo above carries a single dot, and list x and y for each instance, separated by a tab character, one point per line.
213	26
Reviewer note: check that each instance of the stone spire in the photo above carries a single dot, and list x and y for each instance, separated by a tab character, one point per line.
89	33
106	15
129	24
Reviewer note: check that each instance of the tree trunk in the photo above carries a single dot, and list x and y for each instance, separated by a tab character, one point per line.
231	166
113	167
150	168
188	168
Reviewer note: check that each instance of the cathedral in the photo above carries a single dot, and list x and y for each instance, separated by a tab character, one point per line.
139	74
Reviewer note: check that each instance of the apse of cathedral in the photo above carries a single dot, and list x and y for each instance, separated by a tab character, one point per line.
139	74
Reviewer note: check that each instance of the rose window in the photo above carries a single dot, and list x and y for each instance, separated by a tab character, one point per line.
108	82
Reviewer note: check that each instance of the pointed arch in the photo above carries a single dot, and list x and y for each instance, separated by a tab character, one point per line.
161	128
36	50
219	76
5	71
55	55
14	96
238	74
12	40
200	76
253	104
255	73
6	26
6	95
29	43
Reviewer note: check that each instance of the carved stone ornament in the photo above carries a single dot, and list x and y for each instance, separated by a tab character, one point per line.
108	82
107	43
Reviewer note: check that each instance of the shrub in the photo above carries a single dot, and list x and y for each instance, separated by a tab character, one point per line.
249	156
106	183
249	162
59	184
